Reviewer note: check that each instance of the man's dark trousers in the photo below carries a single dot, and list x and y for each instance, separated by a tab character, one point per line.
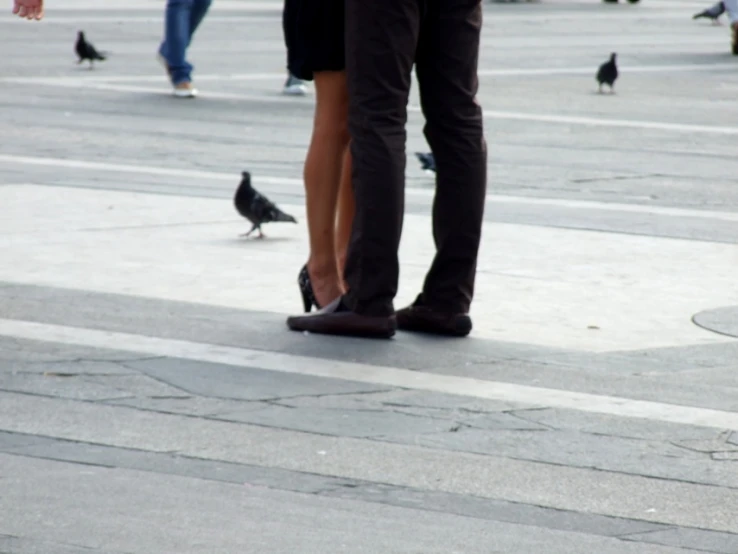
383	40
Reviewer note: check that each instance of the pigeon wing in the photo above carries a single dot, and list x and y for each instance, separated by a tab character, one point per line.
262	210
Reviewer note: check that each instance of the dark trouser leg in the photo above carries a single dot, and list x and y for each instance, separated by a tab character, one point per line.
448	52
381	40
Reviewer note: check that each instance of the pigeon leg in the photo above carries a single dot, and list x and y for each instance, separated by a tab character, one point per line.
261	235
253	228
612	89
599	90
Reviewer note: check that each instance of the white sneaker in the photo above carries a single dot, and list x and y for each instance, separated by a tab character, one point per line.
184	90
294	86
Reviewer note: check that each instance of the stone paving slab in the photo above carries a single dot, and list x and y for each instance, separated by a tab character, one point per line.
490	476
261	513
479	508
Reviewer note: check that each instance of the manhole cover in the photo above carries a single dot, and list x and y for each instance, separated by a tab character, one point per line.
719	320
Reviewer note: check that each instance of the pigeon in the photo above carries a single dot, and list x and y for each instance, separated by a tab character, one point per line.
607	73
713	12
427	161
85	50
256	207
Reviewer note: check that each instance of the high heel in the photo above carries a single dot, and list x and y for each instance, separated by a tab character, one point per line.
306	290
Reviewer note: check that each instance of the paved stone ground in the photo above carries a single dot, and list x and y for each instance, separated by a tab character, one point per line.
152	401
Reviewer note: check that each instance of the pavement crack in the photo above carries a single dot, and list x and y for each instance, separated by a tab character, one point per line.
324	395
516	415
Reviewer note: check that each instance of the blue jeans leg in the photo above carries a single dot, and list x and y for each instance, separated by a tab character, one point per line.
182	19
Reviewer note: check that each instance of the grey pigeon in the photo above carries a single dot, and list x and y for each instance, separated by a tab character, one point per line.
85	50
256	207
608	73
713	12
427	161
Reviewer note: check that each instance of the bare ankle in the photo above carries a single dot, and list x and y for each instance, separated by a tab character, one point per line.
322	269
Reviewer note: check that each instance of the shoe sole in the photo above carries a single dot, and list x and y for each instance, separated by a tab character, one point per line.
382	331
179	93
461	327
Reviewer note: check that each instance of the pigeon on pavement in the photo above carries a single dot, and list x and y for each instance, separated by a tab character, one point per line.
713	12
85	50
427	161
608	73
256	207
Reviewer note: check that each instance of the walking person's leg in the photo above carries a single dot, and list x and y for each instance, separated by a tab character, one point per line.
197	14
448	53
293	86
180	17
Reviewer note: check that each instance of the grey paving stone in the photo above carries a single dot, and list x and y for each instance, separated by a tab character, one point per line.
601	424
657	388
69	367
715	444
618	363
698	539
703	355
172	464
173	514
193	405
24	351
344	423
572	449
85	387
414	402
223	381
470	506
24	545
14	440
496	510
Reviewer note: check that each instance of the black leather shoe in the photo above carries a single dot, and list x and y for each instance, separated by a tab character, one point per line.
337	319
423	319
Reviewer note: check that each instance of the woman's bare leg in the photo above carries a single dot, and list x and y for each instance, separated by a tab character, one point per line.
345	215
322	176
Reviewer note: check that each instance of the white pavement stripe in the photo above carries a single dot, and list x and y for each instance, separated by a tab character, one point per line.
428	193
377	375
488	114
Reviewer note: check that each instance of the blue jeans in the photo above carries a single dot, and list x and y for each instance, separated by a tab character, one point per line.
182	19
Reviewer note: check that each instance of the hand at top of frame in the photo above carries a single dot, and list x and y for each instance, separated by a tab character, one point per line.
30	9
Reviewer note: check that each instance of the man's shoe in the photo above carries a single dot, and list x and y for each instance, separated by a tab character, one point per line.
337	319
423	319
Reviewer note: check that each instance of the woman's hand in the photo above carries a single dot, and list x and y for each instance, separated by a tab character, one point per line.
30	9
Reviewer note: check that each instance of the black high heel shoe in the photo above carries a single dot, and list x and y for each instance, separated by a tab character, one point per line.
306	290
